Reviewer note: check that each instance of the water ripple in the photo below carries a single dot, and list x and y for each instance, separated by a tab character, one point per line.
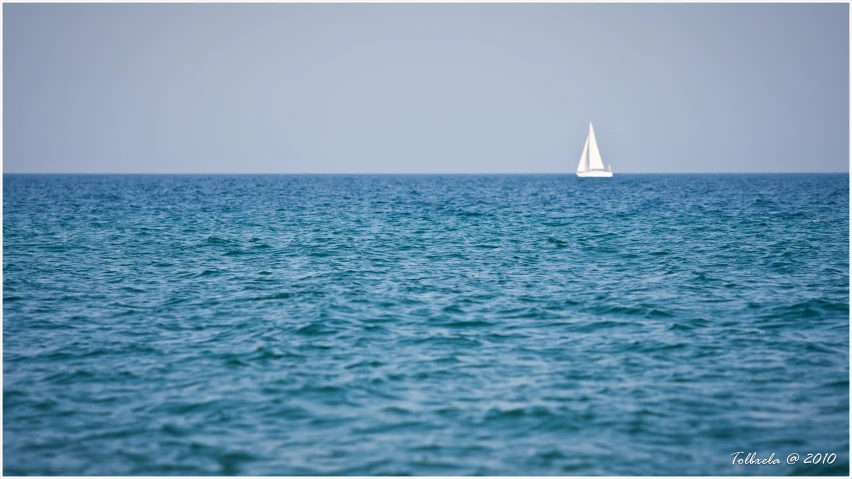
371	325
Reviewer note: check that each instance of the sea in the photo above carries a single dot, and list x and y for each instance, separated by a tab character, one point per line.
426	324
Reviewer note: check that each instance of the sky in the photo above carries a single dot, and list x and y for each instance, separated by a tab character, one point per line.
424	88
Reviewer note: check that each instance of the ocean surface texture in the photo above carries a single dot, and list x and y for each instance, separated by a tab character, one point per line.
501	325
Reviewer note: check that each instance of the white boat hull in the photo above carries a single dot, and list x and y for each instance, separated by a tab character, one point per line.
595	174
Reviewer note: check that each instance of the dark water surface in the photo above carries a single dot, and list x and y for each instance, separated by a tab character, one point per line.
648	324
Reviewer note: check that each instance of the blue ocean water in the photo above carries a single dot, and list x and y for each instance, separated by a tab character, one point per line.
500	325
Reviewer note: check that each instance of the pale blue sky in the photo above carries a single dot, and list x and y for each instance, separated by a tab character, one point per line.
429	88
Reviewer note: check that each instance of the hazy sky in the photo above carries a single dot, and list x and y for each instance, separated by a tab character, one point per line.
429	88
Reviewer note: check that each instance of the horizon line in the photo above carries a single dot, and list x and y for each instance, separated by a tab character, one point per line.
445	174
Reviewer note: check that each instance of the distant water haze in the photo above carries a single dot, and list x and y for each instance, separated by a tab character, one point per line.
428	88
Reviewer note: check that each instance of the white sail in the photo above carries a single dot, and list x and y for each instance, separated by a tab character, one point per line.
591	164
595	161
584	160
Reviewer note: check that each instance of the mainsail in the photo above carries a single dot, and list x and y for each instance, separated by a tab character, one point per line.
595	161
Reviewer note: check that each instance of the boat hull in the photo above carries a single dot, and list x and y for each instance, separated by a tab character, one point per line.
594	174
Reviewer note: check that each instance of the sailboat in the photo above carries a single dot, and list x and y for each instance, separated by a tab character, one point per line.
591	164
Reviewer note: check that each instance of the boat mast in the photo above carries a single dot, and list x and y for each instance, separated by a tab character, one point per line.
589	153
